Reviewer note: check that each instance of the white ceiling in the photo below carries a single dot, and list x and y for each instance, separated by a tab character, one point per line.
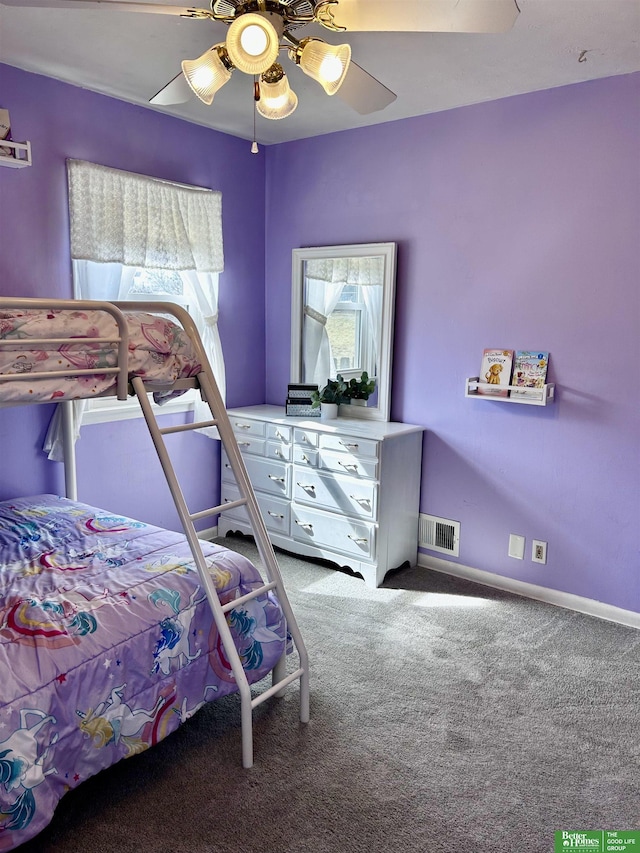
131	56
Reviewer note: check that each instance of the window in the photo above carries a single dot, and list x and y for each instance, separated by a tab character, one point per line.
349	332
136	237
147	285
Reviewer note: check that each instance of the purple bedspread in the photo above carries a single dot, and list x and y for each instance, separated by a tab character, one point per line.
107	644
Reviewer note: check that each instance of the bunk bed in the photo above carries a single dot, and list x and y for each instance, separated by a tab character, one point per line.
113	632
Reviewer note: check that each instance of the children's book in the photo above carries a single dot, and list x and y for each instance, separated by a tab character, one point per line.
496	372
529	373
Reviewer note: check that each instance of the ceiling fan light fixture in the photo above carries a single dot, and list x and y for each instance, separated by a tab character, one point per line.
326	63
277	100
253	42
208	73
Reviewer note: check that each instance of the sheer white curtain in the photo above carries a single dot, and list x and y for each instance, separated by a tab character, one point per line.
143	222
321	297
201	288
372	297
108	282
121	222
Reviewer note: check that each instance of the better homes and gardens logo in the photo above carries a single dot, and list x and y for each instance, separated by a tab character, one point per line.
597	841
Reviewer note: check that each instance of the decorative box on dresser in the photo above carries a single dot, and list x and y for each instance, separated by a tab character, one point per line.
345	490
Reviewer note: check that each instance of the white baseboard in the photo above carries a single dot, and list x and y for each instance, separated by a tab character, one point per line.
530	590
208	533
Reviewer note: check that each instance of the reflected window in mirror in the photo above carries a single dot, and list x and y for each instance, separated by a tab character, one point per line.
342	320
351	338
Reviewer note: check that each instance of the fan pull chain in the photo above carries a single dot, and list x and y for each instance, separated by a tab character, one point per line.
256	98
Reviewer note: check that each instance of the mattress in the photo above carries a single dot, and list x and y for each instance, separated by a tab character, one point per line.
160	352
107	644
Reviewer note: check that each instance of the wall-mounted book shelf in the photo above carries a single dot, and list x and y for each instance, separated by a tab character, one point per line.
20	157
544	395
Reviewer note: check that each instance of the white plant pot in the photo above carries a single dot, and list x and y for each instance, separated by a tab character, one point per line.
328	411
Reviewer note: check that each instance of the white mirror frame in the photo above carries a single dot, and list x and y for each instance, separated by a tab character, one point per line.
381	412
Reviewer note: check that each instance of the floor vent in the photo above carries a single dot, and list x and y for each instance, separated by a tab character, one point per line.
439	534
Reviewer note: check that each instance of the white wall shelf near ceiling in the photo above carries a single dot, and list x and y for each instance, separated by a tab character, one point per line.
544	395
20	157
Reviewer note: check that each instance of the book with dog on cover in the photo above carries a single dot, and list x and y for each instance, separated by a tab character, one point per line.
529	373
496	372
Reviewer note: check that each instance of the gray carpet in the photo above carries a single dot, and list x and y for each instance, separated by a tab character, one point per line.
445	716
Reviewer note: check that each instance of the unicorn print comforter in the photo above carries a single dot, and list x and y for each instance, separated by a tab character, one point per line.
107	644
159	351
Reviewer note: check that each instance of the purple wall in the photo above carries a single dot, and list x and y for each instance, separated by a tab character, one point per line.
518	226
62	121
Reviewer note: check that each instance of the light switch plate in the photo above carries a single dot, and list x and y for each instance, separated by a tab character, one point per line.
516	546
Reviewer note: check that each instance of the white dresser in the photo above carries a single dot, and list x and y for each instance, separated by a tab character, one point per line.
345	490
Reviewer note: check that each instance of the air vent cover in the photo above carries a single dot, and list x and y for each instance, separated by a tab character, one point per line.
439	534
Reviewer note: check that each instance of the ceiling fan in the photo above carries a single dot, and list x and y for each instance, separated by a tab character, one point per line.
257	30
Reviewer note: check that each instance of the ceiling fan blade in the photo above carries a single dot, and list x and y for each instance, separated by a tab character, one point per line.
426	16
177	91
363	92
152	8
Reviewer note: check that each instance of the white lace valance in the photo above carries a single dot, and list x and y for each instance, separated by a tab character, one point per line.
365	271
138	221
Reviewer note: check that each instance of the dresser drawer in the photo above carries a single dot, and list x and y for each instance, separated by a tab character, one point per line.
353	446
305	437
275	512
348	463
243	427
278	450
308	458
277	432
267	475
344	495
325	530
249	444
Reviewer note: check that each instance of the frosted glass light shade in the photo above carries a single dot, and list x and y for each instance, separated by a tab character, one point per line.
326	63
206	74
277	100
252	43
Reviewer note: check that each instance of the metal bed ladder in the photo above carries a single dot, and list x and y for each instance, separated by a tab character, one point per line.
220	419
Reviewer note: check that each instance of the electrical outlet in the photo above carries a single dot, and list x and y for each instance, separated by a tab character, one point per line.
539	551
516	546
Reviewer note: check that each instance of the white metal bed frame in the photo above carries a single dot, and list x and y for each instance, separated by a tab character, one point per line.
206	383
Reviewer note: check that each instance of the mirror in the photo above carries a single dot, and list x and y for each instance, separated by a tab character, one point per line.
342	312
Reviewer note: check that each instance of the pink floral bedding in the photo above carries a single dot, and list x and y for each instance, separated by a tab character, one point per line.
107	644
159	351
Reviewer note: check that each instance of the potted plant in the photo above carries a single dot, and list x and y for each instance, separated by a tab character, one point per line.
330	397
359	390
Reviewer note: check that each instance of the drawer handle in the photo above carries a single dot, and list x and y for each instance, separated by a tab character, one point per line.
348	466
358	539
279	435
243	426
226	465
310	488
361	501
276	479
275	514
244	444
304	525
350	446
306	459
279	453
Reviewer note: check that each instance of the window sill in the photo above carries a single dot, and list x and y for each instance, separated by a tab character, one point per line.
114	410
